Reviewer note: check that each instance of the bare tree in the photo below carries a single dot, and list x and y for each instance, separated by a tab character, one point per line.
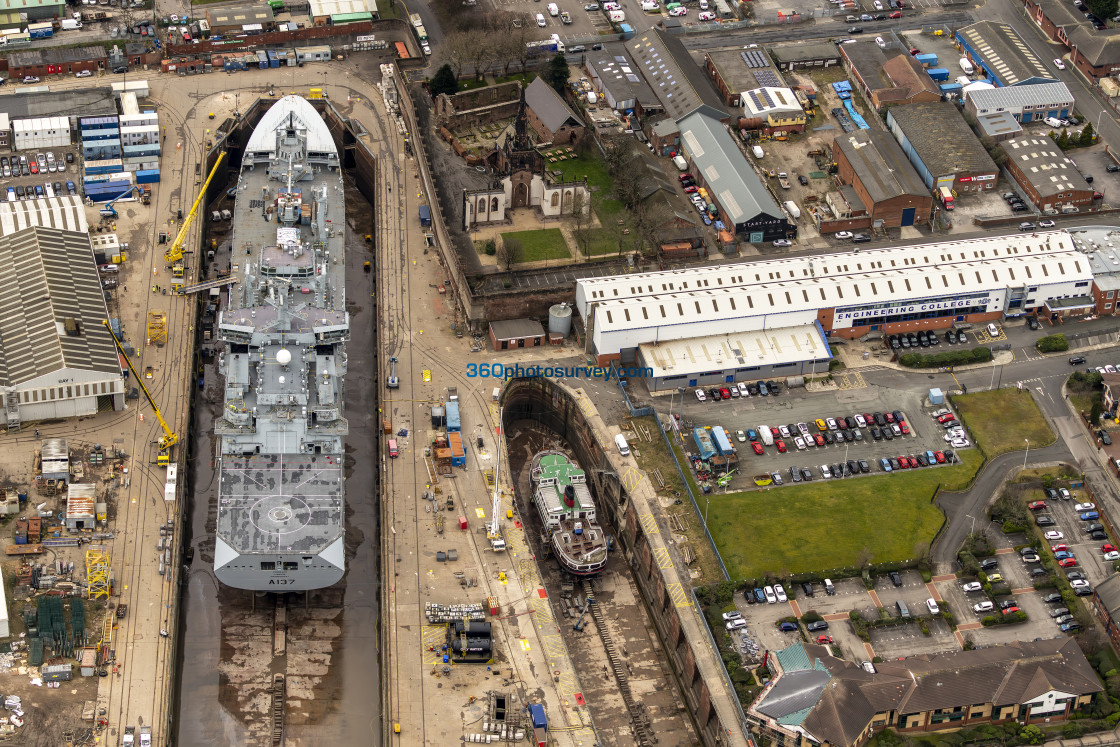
509	253
457	48
629	185
482	52
617	152
581	222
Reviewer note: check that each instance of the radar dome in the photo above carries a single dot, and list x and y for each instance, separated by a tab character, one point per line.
283	357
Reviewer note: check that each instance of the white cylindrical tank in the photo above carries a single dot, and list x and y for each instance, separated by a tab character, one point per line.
560	319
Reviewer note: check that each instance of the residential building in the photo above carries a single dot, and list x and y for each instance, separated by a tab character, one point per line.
874	164
996	50
887	77
551	118
1106	282
58	360
772	111
1105	601
1095	53
816	698
679	84
941	146
905	289
745	204
1024	103
1050	179
737	70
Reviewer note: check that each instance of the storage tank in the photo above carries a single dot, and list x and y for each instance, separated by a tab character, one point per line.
560	319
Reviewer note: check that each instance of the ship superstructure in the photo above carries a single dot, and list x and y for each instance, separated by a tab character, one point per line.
567	513
280	435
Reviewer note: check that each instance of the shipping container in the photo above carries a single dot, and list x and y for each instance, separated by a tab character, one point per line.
40	30
273	59
458	455
927	59
703	442
721	441
452	413
313	54
425	216
938	73
57	672
950	87
107	166
147	177
262	59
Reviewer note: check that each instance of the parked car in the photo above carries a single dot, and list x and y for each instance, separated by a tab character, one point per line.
971	586
817	625
983	607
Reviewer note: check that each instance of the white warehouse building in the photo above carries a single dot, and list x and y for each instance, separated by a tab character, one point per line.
757	320
57	360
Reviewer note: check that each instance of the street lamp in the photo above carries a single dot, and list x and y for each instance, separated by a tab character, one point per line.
1026	451
973	531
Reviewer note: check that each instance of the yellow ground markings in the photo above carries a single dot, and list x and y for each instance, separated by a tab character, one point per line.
649	523
678	594
554	646
661	557
524	645
432	637
851	380
542	612
631	478
480	513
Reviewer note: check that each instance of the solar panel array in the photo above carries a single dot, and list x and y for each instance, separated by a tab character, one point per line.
754	58
768	78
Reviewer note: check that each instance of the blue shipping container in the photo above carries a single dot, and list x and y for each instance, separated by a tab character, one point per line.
927	58
536	713
452	411
950	87
703	442
147	176
109	166
273	59
723	443
938	73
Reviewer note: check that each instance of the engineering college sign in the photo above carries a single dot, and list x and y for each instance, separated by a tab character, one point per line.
914	308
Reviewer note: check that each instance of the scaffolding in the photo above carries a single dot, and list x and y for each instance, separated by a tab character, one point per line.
157	327
97	572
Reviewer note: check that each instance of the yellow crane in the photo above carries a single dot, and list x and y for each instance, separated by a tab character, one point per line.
175	252
169	438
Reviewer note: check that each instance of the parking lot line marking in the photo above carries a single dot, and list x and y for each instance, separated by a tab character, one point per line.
796	609
870	651
969	626
874	597
933	592
946	577
661	557
649	523
678	595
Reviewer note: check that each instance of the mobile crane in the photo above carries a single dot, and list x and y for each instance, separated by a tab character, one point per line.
108	211
175	253
494	528
169	437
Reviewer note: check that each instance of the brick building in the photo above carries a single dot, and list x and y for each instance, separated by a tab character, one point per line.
887	77
1046	175
875	166
57	61
550	116
1095	53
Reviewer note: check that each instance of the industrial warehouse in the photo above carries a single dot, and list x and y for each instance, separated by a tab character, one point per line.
774	318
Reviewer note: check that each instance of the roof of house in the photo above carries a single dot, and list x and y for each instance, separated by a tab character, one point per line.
1016	97
513	329
880	165
867	58
907	74
1061	13
553	111
1100	48
744	69
1001	675
730	178
51	307
676	80
941	137
1002	51
658	190
804	52
1044	165
998	123
55	56
618	73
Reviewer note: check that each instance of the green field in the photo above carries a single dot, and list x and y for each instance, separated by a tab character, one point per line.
1001	419
544	243
591	167
821	526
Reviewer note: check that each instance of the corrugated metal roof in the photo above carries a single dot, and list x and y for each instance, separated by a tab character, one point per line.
1004	52
48	281
941	137
881	166
676	80
987	100
64	212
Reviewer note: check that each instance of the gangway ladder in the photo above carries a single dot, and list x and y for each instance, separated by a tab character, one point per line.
184	290
494	528
97	572
105	647
157	327
11	409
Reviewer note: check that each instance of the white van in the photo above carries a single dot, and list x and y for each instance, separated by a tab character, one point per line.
553	10
791	206
966	66
757	150
617	16
765	434
540	20
623	447
828	587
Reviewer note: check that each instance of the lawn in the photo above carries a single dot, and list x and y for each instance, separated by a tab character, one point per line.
544	243
820	526
590	166
1001	419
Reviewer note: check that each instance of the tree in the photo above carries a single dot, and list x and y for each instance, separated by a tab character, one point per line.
1063	140
1104	8
443	82
457	49
509	253
1087	137
616	153
581	222
557	73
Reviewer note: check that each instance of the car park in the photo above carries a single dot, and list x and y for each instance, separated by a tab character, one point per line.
983	607
971	586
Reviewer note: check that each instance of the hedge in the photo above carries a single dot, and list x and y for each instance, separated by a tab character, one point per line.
948	358
1014	617
1052	344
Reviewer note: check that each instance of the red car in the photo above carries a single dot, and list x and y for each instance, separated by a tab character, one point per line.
889	417
757	448
822	639
690	189
685	177
819	439
1009	610
775	433
896	14
725	392
939	456
1059	548
904	428
1033	505
904	461
1108	548
781	446
1068	563
915	51
946	417
34	166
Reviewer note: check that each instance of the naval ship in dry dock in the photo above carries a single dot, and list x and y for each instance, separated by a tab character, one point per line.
567	512
279	439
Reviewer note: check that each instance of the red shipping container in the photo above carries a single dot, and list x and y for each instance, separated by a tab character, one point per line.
463	523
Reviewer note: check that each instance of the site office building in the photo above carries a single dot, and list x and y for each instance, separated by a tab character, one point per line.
849	295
